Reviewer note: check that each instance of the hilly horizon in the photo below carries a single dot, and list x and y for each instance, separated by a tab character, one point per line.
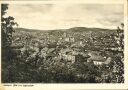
79	29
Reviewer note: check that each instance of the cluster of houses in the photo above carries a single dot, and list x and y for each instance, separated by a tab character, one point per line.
69	54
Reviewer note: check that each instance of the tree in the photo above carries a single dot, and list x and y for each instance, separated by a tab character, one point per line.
7	24
120	37
7	30
114	72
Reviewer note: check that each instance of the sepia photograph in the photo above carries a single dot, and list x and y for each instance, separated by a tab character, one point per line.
62	43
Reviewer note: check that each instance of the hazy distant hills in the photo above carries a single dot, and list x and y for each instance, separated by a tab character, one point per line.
76	32
74	29
89	38
89	29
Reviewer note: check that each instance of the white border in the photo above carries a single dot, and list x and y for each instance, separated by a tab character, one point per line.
79	86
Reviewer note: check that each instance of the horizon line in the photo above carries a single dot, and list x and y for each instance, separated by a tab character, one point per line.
65	28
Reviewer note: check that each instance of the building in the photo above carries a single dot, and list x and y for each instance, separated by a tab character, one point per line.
68	38
98	59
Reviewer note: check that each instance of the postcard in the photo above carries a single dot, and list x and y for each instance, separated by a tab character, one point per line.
64	45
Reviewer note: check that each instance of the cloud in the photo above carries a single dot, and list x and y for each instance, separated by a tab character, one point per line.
55	16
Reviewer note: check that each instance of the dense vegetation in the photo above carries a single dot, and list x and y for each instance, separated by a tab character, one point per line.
34	56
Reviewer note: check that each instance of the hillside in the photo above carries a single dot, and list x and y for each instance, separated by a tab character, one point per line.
88	36
75	55
74	29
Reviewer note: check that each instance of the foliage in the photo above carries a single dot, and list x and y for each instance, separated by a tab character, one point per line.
7	30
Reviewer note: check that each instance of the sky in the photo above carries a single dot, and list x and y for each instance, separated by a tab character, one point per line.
63	16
